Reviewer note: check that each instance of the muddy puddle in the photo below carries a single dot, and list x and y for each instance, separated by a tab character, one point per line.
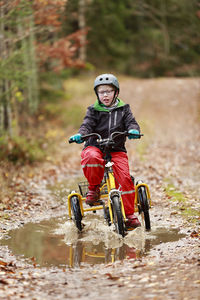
56	242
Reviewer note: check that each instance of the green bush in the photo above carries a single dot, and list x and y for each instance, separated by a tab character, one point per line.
21	150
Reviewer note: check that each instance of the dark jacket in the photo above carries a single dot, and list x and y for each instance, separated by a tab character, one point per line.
104	121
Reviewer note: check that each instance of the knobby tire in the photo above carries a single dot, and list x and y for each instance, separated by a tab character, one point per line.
76	212
117	216
144	206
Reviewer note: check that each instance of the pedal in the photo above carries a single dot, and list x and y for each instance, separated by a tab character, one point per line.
130	228
97	203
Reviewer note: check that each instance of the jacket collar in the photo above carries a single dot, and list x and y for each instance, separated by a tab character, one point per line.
101	107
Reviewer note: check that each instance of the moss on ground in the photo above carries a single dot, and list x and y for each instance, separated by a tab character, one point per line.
182	203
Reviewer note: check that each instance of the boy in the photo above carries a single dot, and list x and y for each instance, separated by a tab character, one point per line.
108	114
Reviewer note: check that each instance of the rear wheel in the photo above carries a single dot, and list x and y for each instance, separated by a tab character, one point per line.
117	216
76	212
144	206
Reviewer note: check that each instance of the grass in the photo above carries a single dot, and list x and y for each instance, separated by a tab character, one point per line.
80	91
173	194
189	213
66	101
146	129
74	116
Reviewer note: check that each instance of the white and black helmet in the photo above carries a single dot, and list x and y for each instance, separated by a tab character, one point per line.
106	79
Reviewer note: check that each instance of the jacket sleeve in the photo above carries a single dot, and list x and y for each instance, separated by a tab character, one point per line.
89	122
129	120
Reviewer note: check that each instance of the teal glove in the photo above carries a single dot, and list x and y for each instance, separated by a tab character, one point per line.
76	138
133	134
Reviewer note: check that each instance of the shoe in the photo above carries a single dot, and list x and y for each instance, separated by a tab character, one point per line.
92	196
132	221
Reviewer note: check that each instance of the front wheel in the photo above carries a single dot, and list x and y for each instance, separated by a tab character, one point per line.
144	206
117	216
107	214
76	212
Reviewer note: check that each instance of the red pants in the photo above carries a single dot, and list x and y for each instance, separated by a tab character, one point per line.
92	163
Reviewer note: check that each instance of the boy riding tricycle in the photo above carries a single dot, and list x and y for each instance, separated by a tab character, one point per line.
104	158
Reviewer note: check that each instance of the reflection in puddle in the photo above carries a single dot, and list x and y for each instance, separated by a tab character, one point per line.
56	242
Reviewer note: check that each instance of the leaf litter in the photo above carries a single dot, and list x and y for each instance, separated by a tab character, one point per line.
170	154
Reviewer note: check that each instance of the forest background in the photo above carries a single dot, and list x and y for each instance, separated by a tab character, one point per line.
44	43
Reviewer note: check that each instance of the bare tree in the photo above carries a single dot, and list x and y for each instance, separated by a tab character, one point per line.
5	84
18	67
82	26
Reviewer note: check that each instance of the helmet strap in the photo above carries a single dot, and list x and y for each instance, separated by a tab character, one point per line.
97	96
114	97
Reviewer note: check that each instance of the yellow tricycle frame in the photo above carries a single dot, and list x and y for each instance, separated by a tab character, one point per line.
106	198
107	195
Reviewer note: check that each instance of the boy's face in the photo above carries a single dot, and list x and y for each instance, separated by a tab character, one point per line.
106	94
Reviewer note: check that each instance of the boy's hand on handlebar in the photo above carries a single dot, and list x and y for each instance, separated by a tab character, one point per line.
76	138
133	134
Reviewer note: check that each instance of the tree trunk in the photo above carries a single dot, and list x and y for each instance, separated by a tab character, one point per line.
2	83
82	25
165	29
30	66
33	66
5	109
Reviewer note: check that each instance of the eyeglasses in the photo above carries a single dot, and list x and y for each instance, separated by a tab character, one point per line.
108	92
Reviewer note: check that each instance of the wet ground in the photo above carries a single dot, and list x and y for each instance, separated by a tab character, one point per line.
56	242
42	255
52	260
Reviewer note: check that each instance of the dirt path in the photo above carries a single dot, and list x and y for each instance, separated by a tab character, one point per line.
168	159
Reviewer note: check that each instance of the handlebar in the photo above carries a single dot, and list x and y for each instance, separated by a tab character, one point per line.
109	140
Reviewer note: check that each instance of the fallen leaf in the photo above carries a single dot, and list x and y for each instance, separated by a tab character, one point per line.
3	281
110	276
194	234
3	263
